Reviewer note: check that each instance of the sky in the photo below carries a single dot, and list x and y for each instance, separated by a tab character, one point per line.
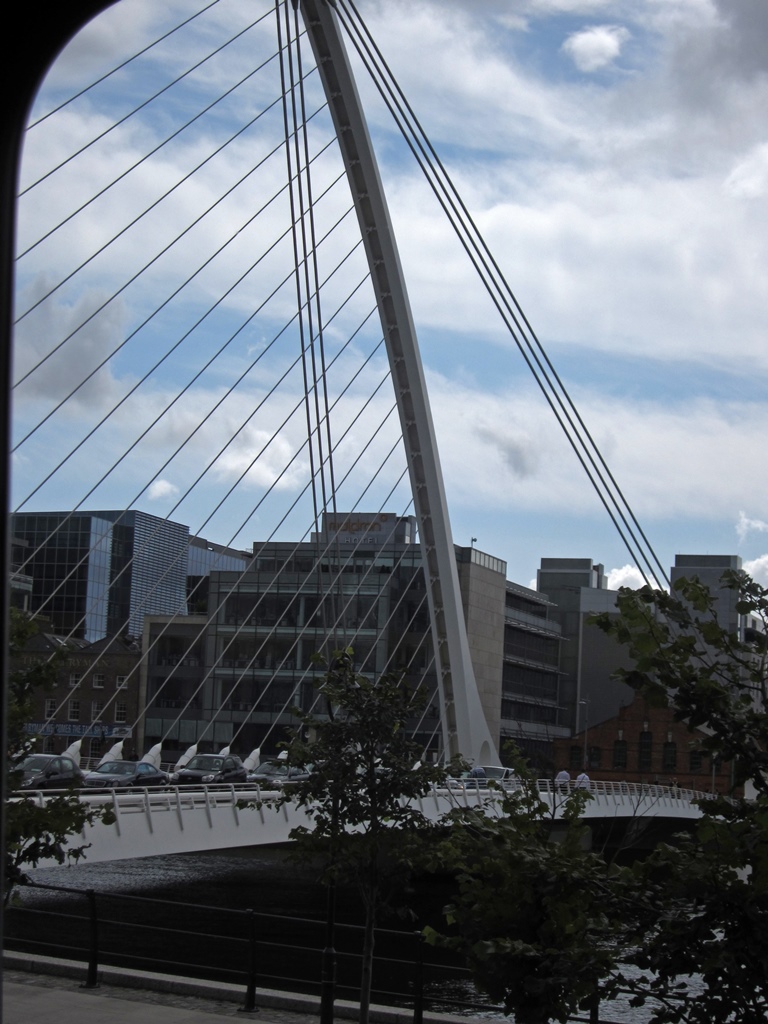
614	153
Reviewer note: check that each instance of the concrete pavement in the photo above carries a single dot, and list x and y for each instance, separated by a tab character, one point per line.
43	990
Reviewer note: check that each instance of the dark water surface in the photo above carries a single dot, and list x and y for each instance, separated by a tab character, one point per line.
264	879
207	931
199	922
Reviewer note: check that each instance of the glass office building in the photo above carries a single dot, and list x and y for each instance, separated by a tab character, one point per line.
96	574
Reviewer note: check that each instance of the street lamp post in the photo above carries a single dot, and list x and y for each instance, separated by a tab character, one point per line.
585	725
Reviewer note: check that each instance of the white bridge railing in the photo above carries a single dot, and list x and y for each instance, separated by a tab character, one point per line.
178	820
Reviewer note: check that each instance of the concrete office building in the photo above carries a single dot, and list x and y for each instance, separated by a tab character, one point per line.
531	699
514	643
588	694
709	569
615	733
173	677
358	582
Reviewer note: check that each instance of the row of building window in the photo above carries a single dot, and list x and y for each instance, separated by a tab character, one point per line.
644	758
74	708
98	680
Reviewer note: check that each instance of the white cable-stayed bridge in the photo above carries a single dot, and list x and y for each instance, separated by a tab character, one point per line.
180	820
211	318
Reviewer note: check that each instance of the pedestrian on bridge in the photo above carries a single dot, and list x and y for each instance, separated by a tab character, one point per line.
582	781
563	780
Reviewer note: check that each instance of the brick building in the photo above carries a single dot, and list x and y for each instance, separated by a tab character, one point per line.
644	744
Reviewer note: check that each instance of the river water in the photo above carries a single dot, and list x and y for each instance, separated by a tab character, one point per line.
266	880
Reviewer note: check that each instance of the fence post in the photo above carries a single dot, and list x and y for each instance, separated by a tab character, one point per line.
594	1008
418	980
92	976
250	992
328	967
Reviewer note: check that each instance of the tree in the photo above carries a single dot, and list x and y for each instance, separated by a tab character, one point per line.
34	832
361	794
539	918
547	926
710	891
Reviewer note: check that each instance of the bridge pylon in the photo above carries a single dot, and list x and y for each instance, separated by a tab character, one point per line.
464	726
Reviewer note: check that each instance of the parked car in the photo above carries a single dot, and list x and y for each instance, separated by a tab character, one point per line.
496	774
125	774
278	773
210	770
49	771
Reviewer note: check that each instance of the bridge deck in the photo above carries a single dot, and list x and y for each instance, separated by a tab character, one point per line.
151	823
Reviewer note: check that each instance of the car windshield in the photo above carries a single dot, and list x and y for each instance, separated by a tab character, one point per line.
272	768
205	763
116	768
34	764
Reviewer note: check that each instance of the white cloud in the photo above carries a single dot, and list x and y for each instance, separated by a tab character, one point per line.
596	48
626	576
161	489
758	569
669	461
745	526
749	178
627	218
59	344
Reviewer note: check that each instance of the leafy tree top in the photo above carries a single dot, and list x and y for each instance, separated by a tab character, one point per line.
366	767
713	678
34	831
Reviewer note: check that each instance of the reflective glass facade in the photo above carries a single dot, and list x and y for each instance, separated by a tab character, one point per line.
97	574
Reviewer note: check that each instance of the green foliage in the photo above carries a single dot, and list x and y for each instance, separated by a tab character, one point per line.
546	925
34	831
362	795
537	915
708	895
38	832
26	676
685	659
367	775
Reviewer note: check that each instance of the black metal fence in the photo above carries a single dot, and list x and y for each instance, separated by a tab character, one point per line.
258	951
243	947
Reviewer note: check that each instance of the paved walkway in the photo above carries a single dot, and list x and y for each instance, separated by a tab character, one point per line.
32	995
32	999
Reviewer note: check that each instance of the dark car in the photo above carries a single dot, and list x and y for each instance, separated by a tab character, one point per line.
49	771
278	773
125	774
482	775
503	776
210	770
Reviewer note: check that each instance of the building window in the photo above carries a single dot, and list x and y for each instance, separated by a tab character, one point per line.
595	757
97	710
645	752
695	761
577	756
73	712
97	746
669	757
74	678
121	711
121	681
98	680
50	708
620	754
